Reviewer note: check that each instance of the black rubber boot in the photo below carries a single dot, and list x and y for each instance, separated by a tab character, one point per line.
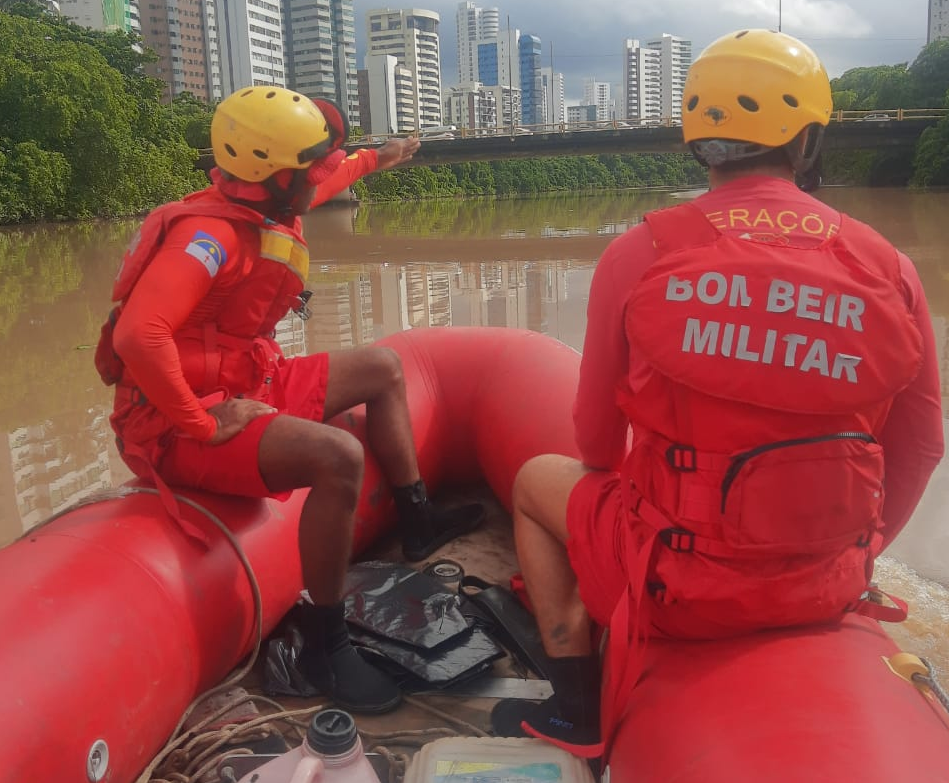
424	528
571	715
333	666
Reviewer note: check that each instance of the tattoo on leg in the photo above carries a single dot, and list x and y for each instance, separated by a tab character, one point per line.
559	635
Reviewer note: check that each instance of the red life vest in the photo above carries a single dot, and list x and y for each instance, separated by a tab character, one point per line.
755	463
755	440
234	350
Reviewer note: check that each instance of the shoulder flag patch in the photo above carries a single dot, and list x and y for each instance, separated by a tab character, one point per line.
208	251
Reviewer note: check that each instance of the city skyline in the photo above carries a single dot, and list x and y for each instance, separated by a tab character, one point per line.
586	40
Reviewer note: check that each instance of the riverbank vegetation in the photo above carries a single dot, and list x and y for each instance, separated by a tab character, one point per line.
922	85
84	133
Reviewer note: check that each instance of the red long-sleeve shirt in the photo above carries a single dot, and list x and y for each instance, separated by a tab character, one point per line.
177	290
912	437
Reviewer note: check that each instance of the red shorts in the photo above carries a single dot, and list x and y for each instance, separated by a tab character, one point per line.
596	551
232	468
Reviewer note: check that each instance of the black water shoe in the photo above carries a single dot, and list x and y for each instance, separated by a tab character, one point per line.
335	668
545	718
425	528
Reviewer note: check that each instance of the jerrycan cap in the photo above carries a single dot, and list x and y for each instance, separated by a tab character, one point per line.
332	732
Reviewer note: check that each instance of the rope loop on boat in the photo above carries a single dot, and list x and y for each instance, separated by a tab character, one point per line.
929	681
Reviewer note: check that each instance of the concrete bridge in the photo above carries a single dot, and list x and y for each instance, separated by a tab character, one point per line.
878	129
865	130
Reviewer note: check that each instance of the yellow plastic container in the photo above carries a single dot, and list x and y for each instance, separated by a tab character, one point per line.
495	760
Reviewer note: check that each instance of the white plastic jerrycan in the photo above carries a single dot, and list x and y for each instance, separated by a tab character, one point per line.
331	753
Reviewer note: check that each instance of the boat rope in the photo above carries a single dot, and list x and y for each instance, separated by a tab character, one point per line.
195	755
203	759
929	681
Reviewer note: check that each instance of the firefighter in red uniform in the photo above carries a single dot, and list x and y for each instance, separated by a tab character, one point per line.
754	362
205	398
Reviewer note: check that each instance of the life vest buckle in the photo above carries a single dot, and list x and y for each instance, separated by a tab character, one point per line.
682	458
678	539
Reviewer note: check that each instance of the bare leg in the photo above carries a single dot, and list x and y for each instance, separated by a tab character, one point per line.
541	490
296	453
373	376
299	453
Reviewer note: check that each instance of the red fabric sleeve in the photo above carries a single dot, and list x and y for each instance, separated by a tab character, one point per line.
912	437
601	428
170	288
350	169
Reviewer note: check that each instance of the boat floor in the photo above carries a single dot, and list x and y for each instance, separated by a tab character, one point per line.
487	553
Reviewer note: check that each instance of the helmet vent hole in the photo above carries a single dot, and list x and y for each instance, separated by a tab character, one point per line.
296	98
261	154
742	34
271	94
230	150
748	104
693	102
791	101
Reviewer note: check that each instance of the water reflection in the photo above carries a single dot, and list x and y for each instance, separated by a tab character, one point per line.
523	263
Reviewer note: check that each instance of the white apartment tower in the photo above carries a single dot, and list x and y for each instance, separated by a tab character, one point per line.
642	82
553	96
938	20
598	94
675	57
411	36
473	24
320	37
250	33
382	85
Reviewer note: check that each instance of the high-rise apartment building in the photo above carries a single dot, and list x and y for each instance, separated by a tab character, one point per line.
498	60
181	33
411	36
473	24
599	94
320	39
654	77
379	85
642	82
251	38
532	86
552	81
938	27
675	57
471	106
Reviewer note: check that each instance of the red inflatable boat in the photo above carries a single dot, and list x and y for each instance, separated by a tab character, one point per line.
114	621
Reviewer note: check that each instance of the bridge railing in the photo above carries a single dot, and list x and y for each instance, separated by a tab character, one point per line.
632	125
883	115
872	115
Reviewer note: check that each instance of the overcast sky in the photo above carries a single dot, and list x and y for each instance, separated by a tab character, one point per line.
587	35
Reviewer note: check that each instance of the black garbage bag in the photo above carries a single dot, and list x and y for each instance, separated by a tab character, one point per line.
460	659
282	676
398	603
403	621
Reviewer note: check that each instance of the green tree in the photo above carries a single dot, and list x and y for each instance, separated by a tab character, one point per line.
930	72
931	165
82	132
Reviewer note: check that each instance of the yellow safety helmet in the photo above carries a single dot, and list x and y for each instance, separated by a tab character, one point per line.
756	86
257	131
